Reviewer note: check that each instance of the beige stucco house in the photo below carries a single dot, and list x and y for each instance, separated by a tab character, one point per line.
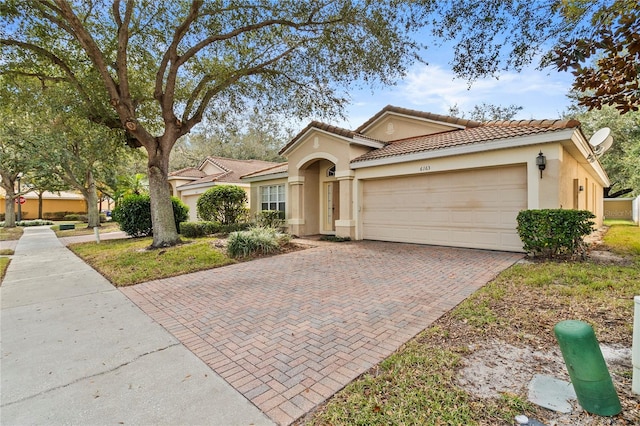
411	176
190	183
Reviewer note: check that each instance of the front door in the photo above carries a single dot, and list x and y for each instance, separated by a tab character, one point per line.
331	208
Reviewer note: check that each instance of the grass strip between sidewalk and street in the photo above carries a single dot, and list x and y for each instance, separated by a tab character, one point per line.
4	264
127	262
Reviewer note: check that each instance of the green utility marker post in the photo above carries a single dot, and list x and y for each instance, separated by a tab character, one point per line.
587	369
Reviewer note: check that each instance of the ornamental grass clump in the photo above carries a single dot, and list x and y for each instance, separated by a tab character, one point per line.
256	240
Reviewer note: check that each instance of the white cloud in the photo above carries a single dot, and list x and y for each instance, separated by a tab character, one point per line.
433	88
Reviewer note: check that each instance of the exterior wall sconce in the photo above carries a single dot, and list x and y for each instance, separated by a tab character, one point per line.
541	162
581	188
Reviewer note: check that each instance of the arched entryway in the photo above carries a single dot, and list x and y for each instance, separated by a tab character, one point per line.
319	193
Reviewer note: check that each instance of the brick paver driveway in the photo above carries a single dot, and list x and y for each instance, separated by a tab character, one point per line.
289	331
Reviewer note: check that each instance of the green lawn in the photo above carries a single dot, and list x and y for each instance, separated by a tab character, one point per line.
4	264
623	237
417	386
127	262
82	229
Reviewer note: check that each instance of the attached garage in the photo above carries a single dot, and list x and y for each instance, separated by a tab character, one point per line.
471	208
416	177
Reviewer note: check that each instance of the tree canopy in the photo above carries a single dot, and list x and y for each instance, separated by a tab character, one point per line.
487	112
251	137
622	161
491	36
155	68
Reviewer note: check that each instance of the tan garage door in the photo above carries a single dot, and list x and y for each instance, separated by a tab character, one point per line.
473	208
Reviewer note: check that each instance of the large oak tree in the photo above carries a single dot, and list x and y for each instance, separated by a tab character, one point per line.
155	68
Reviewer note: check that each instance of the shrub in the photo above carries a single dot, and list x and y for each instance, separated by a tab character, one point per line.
334	239
554	233
234	227
225	204
255	240
202	228
133	214
79	217
55	215
180	211
270	219
198	229
35	222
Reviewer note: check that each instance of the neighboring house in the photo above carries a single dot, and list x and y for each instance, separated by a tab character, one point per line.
416	177
190	183
54	204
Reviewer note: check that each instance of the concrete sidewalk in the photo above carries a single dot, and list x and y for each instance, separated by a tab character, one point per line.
75	350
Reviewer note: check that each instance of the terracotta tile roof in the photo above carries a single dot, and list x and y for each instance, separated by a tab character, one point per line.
207	178
279	168
188	172
238	168
548	124
490	131
321	126
233	170
419	114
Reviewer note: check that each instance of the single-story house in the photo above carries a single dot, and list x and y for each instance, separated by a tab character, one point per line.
54	204
416	177
190	183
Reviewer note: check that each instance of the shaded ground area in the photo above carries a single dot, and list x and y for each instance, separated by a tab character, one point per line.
291	330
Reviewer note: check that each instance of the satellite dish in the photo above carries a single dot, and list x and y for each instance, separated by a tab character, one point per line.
604	146
599	137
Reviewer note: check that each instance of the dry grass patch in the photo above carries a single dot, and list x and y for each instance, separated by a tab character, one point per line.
127	262
11	234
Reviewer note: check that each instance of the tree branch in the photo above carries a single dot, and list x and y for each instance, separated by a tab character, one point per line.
257	69
247	28
171	56
54	59
125	113
121	58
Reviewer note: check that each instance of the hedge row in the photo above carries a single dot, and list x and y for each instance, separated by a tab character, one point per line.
203	228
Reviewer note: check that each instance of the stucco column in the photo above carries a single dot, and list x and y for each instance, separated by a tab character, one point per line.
296	205
346	224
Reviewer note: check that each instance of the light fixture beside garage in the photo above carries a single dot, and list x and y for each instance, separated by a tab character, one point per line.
541	162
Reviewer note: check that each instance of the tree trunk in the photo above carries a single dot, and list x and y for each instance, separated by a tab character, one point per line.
10	215
162	219
93	215
40	194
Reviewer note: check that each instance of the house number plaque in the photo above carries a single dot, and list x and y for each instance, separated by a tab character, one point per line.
425	168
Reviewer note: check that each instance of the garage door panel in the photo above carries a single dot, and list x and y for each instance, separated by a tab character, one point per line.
476	208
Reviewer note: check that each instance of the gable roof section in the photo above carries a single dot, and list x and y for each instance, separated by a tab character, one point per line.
390	109
486	132
233	170
338	131
188	172
278	171
357	135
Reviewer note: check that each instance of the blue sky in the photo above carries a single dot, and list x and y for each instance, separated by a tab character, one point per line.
433	88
